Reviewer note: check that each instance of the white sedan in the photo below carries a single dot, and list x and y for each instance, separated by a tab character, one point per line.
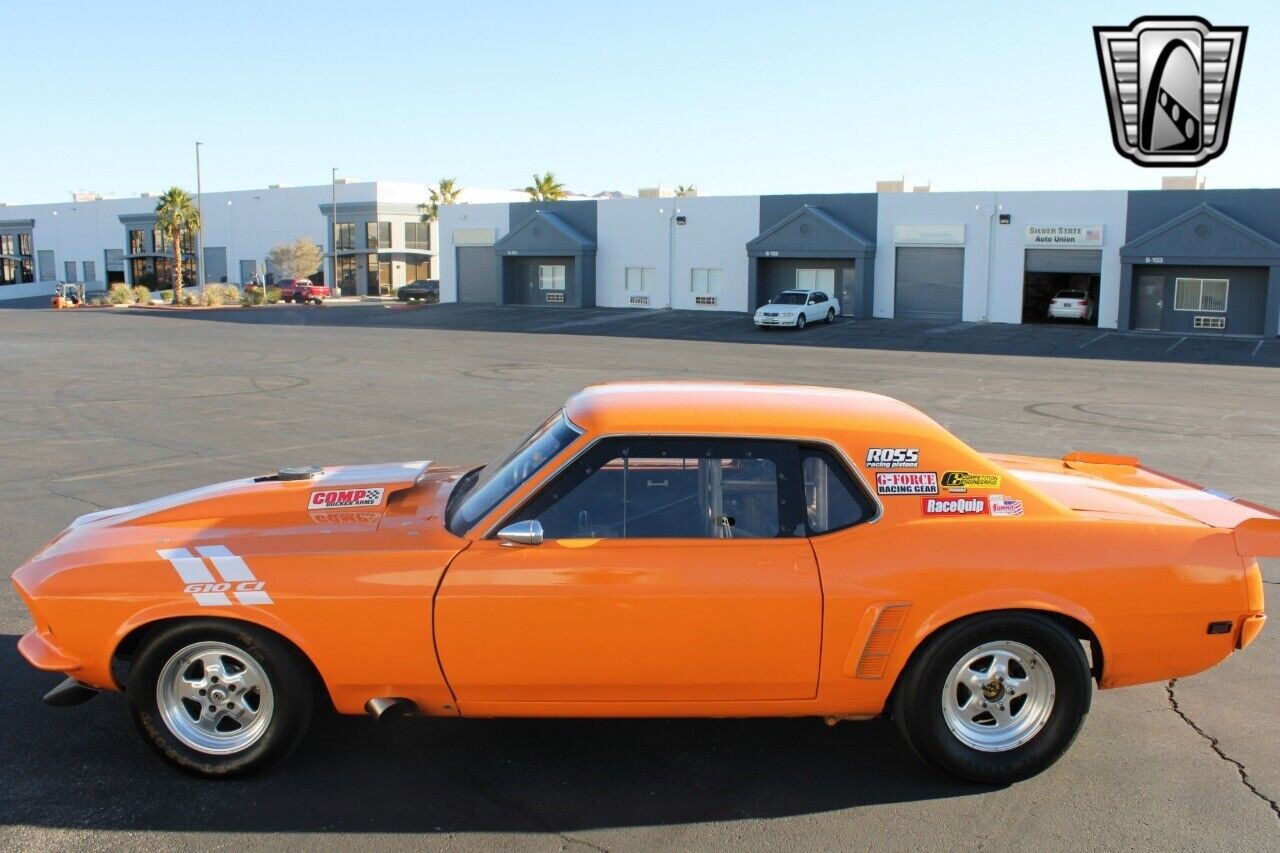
797	308
1071	305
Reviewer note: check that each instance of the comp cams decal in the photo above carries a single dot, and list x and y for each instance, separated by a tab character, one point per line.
233	576
933	507
960	481
906	483
893	457
344	498
1001	505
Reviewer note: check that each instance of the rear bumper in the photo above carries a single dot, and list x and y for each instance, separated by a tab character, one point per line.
41	653
1249	629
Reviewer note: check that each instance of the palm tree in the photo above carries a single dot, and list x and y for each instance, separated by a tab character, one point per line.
176	215
447	192
545	187
683	190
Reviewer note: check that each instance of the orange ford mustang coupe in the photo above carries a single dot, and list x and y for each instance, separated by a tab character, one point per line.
659	549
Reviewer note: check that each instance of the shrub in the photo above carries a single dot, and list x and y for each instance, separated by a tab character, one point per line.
252	297
98	300
142	294
220	294
166	296
189	299
273	295
121	294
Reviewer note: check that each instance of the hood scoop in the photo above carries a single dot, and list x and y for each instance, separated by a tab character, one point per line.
286	475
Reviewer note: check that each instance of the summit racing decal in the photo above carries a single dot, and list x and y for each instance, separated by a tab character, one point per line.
1001	505
343	498
953	506
233	576
959	481
893	457
907	483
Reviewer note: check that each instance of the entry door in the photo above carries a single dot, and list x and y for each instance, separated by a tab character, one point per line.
673	570
1148	303
848	293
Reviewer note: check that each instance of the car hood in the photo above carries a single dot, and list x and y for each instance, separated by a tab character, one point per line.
357	499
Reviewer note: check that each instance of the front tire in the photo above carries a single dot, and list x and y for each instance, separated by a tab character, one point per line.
220	699
800	321
995	699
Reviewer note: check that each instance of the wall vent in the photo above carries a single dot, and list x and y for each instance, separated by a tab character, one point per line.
554	296
704	300
639	300
1209	323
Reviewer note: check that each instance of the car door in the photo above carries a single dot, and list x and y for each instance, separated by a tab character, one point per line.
672	570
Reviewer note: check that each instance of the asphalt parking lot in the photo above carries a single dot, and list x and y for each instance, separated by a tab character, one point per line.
104	407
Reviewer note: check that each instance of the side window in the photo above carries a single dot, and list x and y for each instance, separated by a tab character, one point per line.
832	500
673	488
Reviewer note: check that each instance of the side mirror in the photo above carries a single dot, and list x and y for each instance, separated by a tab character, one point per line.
522	533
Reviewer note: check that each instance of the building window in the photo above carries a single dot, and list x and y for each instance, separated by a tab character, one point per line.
416	270
705	280
378	235
8	271
137	241
824	280
157	240
417	235
347	272
24	245
28	270
641	279
48	272
551	277
346	236
69	267
6	244
1200	294
90	270
143	272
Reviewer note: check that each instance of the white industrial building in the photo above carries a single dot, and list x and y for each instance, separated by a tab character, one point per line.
381	241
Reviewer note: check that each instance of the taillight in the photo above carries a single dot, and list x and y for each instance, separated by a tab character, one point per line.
1084	303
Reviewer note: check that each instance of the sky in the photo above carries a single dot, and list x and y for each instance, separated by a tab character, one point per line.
733	97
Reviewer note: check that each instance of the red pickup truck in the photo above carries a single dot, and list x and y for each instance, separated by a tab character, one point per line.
302	290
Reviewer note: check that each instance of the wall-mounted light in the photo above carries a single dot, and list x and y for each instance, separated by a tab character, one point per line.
1006	218
681	220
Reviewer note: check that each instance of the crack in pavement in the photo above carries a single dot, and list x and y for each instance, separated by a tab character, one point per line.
1214	745
483	790
51	490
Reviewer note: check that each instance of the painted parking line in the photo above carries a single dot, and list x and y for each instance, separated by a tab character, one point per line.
1093	340
1175	345
1254	354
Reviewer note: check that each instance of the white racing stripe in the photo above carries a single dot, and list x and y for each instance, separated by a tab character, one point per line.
234	575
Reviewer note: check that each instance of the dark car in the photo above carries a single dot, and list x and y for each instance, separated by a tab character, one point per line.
424	289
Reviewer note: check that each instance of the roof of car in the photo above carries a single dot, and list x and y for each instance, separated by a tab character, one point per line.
741	408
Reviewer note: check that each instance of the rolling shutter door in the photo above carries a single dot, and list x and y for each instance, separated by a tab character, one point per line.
1085	261
477	271
929	283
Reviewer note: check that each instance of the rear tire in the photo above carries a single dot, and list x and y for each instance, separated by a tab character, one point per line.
831	315
220	699
995	699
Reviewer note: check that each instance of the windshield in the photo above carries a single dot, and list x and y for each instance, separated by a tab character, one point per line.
494	482
791	299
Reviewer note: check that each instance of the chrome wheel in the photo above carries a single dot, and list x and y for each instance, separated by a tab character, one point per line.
215	698
998	696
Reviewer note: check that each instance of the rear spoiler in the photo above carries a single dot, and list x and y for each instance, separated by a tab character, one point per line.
1257	535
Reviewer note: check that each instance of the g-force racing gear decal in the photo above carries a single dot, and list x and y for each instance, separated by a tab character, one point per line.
907	483
893	457
344	498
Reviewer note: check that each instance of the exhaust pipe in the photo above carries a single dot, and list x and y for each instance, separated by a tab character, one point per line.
390	706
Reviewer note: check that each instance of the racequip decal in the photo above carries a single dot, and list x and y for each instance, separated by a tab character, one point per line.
953	506
907	483
959	481
1001	505
893	457
343	498
234	576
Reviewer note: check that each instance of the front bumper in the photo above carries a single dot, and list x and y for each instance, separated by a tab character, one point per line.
1249	629
775	321
41	653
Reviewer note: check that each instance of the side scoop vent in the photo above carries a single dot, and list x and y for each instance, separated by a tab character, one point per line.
877	634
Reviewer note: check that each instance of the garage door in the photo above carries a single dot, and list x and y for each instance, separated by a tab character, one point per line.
477	275
929	283
1086	261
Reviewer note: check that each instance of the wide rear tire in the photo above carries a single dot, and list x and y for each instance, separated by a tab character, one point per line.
220	699
995	699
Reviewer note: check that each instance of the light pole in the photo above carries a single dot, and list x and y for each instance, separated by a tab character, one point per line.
333	230
200	230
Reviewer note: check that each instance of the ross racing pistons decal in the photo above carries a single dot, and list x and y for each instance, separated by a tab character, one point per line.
953	506
893	457
906	483
345	498
233	576
1001	505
